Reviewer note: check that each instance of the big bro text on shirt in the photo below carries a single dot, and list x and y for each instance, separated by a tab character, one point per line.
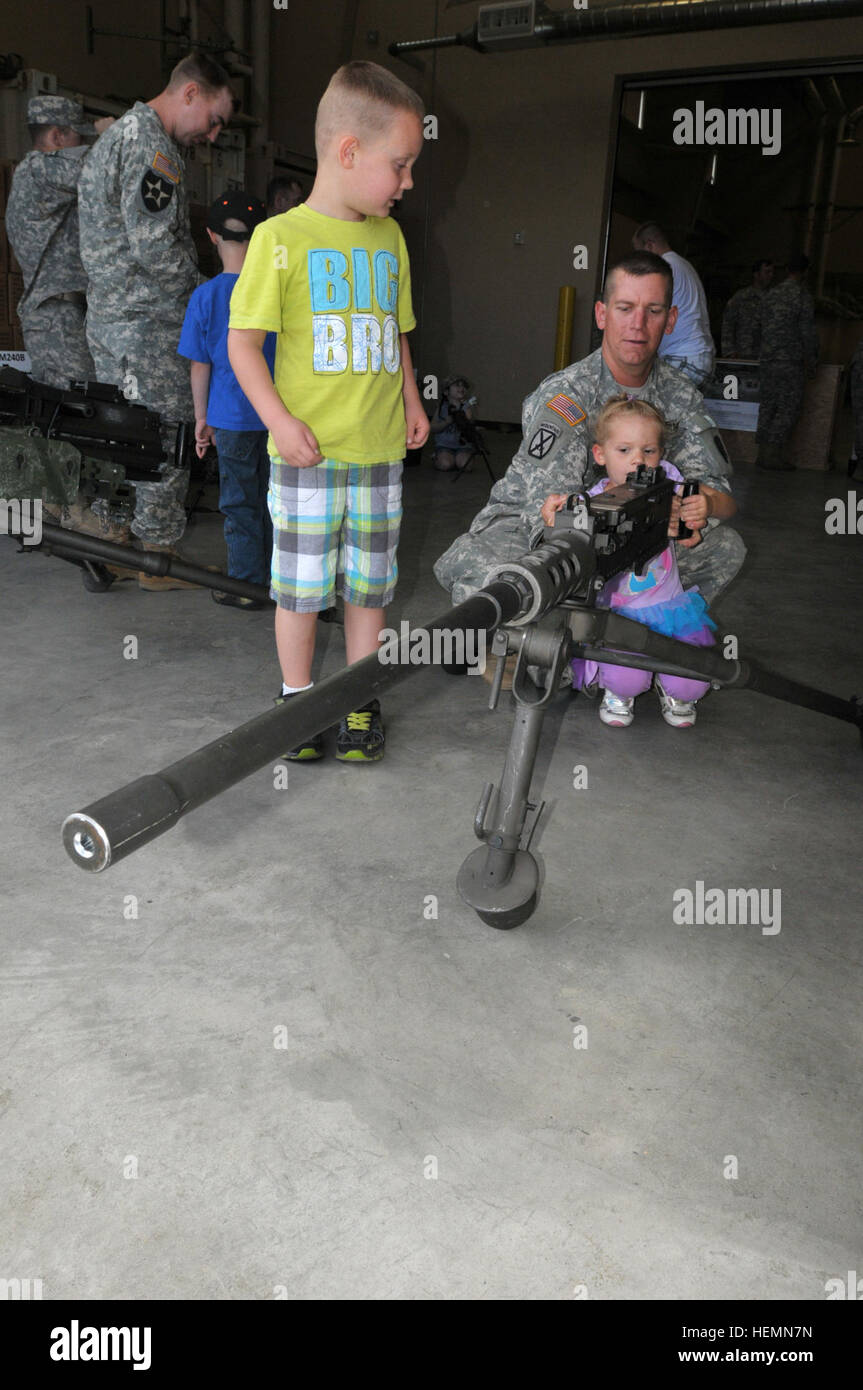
373	343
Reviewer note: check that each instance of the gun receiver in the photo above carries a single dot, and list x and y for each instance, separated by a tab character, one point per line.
103	442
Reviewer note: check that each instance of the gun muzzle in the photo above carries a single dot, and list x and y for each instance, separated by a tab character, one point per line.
556	570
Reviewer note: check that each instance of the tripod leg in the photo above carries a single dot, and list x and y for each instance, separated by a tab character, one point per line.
499	880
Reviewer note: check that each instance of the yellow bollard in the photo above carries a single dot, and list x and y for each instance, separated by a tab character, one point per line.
565	316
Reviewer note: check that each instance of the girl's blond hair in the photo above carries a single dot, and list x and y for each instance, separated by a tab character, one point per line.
620	406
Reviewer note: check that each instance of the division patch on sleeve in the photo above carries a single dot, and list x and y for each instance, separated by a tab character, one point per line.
542	441
569	409
163	165
155	192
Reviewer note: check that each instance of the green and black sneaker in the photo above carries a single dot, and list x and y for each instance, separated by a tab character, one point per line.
307	752
361	736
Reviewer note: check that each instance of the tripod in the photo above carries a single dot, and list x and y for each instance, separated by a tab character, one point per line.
472	434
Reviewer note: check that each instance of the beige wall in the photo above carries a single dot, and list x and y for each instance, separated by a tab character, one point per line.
524	144
50	35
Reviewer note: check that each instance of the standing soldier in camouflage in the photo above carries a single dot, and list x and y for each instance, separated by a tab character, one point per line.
553	456
741	322
138	253
789	353
42	226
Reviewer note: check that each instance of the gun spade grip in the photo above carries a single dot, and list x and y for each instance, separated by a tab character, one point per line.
690	488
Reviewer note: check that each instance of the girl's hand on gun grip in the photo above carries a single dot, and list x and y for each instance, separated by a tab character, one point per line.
296	444
695	510
679	508
555	502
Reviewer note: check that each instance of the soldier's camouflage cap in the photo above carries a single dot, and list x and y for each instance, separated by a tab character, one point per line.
60	111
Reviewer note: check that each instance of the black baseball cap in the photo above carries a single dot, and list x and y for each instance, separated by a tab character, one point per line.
235	205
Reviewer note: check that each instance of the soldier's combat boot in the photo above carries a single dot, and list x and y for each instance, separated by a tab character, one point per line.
79	516
157	584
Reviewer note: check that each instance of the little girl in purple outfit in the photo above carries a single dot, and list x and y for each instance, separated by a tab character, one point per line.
629	432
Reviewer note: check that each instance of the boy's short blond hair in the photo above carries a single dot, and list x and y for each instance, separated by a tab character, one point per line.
362	99
617	408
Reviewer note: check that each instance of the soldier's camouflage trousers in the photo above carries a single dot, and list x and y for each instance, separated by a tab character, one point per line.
141	358
465	567
781	398
55	338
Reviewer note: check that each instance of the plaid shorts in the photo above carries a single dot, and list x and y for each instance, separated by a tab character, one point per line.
334	522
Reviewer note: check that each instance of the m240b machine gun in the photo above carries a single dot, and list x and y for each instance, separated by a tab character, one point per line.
88	439
592	539
91	442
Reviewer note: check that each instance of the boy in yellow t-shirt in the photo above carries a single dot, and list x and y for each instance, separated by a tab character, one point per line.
331	278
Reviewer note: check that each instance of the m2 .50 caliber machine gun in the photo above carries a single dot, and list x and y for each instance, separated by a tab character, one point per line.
90	442
591	540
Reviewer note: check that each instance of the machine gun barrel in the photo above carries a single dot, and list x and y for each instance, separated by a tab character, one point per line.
73	545
109	829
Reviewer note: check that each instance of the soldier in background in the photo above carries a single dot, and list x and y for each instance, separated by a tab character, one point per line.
137	249
283	193
42	226
741	322
789	353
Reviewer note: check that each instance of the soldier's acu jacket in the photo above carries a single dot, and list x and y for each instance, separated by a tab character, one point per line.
42	226
554	456
741	323
789	349
788	325
137	249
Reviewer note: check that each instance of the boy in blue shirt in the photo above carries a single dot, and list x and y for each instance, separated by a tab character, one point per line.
223	415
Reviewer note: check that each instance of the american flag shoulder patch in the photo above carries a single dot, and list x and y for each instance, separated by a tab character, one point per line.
166	166
569	409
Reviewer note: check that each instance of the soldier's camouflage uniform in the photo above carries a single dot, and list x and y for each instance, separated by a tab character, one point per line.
553	457
42	226
789	352
741	323
138	252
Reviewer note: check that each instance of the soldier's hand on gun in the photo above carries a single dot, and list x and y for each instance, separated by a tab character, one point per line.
203	437
693	511
555	502
296	444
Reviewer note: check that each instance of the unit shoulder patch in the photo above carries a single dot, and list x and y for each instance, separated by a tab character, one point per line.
543	441
156	191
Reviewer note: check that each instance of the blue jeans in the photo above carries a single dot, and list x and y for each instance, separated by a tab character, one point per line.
244	475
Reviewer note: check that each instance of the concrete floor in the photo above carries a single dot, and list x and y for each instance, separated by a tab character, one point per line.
430	1131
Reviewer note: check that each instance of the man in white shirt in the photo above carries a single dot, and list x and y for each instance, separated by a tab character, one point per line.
689	346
